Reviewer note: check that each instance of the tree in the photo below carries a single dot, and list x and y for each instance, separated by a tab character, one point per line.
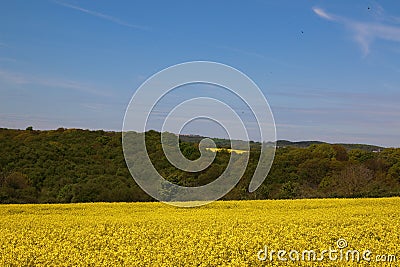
16	180
322	151
394	172
312	171
353	179
360	155
289	190
340	153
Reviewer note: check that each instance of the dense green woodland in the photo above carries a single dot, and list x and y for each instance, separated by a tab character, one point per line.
73	165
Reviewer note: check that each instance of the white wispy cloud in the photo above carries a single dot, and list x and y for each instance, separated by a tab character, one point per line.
102	16
241	51
257	55
12	77
28	79
3	45
7	59
320	12
20	120
365	33
95	106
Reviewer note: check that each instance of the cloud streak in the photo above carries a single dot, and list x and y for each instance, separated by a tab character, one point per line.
364	32
4	45
241	51
102	16
7	59
320	12
25	79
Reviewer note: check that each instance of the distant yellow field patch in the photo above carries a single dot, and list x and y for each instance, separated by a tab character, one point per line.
238	151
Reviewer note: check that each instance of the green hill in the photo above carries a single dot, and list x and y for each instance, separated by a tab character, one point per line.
75	165
281	143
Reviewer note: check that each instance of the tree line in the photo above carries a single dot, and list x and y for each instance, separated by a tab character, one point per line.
75	165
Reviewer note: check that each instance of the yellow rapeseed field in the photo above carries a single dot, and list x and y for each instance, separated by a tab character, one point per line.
238	151
231	233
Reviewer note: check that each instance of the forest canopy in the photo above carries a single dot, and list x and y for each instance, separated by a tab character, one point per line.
74	165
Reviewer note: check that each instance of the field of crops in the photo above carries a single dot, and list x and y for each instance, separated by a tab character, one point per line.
232	233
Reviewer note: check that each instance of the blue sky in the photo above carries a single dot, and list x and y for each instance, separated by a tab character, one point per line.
330	70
